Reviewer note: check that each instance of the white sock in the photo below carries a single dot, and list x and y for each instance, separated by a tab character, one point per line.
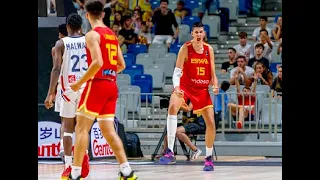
125	168
172	121
209	151
76	171
68	161
61	144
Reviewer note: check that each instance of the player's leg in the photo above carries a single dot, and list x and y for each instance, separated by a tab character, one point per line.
106	124
190	128
172	120
57	105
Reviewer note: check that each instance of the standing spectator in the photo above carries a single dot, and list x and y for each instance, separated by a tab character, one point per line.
226	67
267	43
263	25
276	86
211	5
127	31
277	32
79	5
145	7
243	48
264	75
163	19
136	21
243	72
259	48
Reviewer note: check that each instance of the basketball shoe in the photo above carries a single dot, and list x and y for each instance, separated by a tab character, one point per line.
168	158
84	170
131	176
195	154
208	164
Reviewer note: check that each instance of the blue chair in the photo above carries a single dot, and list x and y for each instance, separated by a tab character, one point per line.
133	70
137	48
155	4
129	59
190	20
174	48
192	4
273	67
146	87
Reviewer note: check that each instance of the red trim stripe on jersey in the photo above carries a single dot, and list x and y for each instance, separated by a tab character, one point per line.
64	97
62	83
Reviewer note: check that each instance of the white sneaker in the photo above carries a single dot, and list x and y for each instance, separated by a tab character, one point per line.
61	154
195	155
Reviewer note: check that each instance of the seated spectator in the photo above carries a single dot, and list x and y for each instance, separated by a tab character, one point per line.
259	48
145	7
181	11
277	32
242	72
145	36
118	19
115	28
267	43
163	19
136	21
127	31
276	86
243	48
224	86
264	75
226	67
191	124
246	103
263	25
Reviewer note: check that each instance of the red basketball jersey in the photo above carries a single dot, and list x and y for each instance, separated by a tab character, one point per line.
196	70
109	51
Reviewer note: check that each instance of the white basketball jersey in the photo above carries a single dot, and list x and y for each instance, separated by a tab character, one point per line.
74	60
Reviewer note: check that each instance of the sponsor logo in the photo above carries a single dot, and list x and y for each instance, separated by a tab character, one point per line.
200	81
199	61
100	147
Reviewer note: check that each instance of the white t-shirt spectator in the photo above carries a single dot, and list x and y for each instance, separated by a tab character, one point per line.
243	50
256	32
249	71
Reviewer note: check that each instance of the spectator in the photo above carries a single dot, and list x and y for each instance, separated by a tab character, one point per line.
115	28
263	25
276	86
226	67
144	7
259	48
127	31
118	19
264	75
122	5
211	5
136	21
246	103
145	35
277	32
242	72
267	43
279	50
180	11
79	5
224	86
163	19
191	124
243	48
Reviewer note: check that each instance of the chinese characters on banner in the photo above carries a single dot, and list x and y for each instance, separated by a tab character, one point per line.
99	146
48	139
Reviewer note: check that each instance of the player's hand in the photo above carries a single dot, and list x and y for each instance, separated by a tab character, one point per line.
215	90
48	102
178	92
75	86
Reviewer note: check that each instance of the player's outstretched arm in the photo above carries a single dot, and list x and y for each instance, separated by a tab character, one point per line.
214	79
121	63
177	73
93	44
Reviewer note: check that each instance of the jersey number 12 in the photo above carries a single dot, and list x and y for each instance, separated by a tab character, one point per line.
112	52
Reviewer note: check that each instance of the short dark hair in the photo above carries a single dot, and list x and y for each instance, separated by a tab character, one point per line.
261	30
225	85
94	7
197	24
62	29
240	56
242	35
259	45
264	18
74	20
164	1
233	49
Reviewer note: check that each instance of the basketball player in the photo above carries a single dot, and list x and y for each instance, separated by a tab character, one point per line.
69	64
99	97
62	32
194	72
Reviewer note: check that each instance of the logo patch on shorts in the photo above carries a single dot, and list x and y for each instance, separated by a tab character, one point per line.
71	78
108	72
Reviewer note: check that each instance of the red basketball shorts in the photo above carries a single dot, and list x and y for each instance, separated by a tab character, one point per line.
99	99
200	98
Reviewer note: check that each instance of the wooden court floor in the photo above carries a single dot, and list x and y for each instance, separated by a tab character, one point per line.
170	172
